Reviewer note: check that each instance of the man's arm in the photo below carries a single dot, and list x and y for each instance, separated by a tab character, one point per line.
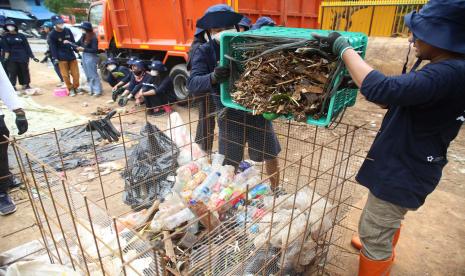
356	66
7	92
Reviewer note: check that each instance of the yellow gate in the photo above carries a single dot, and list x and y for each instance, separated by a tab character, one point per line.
375	18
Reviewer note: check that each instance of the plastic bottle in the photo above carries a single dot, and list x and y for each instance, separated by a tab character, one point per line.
241	179
177	219
196	180
183	176
217	160
204	190
226	193
244	165
259	190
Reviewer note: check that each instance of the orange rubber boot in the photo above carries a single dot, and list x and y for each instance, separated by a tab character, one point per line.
358	244
369	267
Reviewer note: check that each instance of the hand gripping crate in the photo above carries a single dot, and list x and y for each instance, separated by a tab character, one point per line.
341	99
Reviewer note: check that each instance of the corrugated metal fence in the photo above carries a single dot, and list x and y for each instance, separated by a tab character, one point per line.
375	18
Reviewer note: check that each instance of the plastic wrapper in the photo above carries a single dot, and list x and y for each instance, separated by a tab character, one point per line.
149	166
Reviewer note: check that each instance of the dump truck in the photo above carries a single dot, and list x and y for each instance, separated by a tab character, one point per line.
164	30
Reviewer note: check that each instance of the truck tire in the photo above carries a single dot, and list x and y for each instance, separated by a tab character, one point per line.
179	75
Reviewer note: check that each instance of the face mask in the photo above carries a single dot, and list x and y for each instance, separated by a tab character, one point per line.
154	73
111	67
83	31
60	26
137	73
10	28
217	36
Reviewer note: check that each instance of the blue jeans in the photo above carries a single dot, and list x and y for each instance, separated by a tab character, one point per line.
89	64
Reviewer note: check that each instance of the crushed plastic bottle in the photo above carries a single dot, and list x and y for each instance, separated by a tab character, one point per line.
204	190
259	190
217	161
240	180
196	180
179	218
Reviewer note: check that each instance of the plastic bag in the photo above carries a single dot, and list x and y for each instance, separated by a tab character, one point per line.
149	166
39	268
180	135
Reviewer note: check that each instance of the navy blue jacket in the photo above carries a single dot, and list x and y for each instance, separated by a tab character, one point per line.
60	51
18	47
426	111
122	69
204	61
134	85
91	47
163	86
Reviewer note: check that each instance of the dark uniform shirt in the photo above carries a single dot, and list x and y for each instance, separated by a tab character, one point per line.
120	69
163	86
426	111
58	49
18	47
91	47
135	85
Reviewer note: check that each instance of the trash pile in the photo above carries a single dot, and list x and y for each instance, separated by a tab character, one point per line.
285	79
209	197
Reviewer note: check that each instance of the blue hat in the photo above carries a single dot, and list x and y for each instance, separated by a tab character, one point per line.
131	60
139	64
110	61
86	26
158	65
440	23
245	22
218	16
56	19
2	19
47	24
262	22
10	22
198	31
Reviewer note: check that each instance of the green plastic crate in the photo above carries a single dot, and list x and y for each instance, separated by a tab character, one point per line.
341	99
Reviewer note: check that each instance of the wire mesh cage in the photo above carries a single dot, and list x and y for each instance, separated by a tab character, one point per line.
83	189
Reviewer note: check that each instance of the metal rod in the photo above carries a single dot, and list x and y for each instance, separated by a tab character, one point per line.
119	247
43	209
60	153
74	225
58	217
245	220
28	189
94	235
125	150
98	170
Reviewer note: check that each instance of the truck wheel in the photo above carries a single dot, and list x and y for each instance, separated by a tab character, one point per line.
179	75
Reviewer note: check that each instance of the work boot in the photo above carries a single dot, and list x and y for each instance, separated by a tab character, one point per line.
7	205
72	92
79	91
368	267
358	244
27	86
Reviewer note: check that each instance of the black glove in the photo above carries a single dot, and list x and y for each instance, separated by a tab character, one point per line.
334	43
123	100
115	94
221	74
21	123
35	59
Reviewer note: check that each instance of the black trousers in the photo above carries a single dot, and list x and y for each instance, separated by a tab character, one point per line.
155	101
5	175
20	71
206	126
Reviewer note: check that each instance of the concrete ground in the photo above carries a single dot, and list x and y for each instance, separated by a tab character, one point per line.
433	238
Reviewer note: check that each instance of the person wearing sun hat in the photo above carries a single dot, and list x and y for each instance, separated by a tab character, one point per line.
61	40
206	76
425	111
88	45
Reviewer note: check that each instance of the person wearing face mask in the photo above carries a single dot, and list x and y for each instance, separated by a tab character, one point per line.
123	83
116	73
245	24
158	91
47	29
17	55
139	76
88	44
63	54
236	128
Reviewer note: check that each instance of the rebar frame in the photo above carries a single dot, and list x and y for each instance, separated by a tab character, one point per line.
79	231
